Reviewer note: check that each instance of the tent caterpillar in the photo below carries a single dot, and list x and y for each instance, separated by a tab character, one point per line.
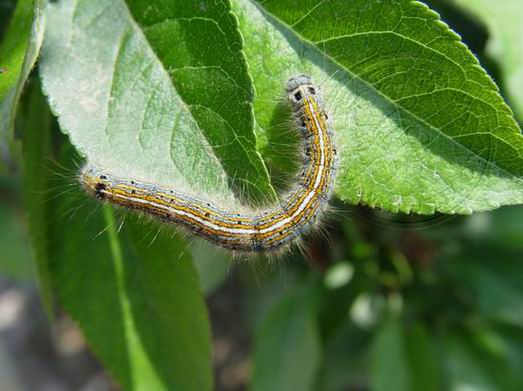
254	231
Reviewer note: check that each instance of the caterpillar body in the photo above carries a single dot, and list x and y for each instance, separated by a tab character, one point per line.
256	231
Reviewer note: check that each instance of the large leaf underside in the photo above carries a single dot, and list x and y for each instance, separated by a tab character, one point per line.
158	93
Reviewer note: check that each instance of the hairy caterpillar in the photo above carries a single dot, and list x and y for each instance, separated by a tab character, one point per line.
255	231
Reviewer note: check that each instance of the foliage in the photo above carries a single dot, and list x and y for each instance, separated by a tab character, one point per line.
128	98
188	94
18	52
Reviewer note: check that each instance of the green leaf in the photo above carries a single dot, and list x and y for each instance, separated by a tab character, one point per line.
212	264
513	340
420	125
14	45
164	288
346	359
287	346
162	92
15	258
7	8
337	300
403	357
36	183
503	20
489	279
421	358
136	299
389	367
157	91
503	228
18	52
477	360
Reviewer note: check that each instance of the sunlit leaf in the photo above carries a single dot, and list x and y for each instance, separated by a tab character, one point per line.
421	126
18	53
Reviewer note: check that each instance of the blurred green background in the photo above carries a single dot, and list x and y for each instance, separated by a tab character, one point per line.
403	302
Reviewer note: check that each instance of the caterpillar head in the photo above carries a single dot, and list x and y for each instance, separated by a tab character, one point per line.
299	88
94	181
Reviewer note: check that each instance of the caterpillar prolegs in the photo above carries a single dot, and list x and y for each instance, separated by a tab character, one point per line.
255	231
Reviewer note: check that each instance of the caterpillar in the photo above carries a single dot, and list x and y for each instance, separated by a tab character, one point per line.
254	231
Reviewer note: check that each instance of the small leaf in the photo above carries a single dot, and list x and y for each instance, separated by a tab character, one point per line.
14	45
15	258
489	279
422	360
513	340
345	361
18	52
389	367
36	183
287	351
503	19
337	300
476	360
420	126
157	91
504	227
